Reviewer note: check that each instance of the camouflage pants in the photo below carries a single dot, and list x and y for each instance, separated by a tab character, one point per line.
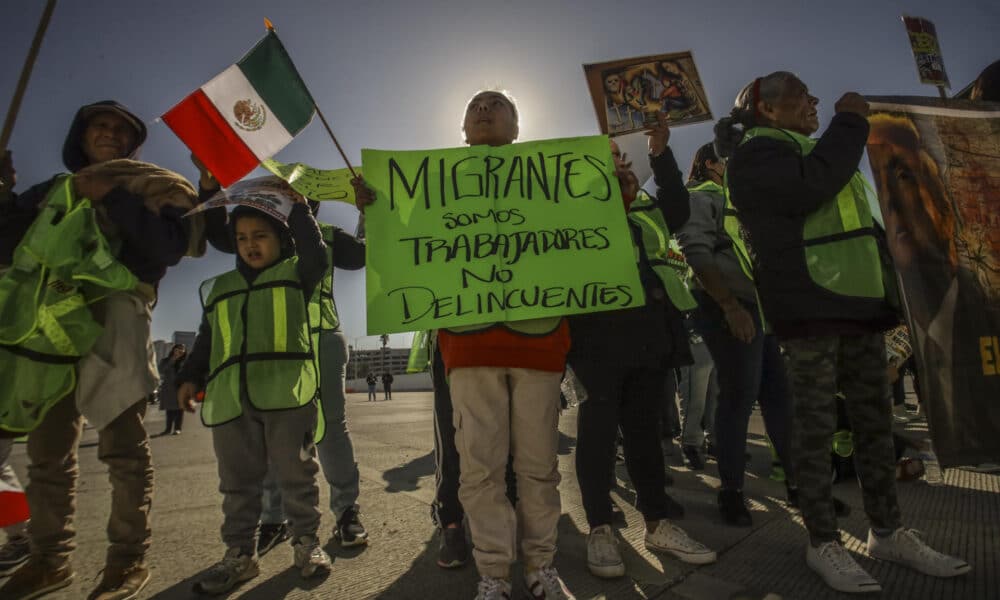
818	367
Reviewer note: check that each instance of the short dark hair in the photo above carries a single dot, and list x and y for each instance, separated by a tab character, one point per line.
704	154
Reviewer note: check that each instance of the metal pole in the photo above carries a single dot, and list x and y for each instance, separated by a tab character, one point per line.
22	83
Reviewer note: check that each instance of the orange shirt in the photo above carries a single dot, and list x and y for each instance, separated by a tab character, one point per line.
501	347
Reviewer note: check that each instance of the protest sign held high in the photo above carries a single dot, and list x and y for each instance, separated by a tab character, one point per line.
313	183
937	168
268	194
484	234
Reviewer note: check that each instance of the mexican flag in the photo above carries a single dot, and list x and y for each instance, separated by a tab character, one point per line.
245	114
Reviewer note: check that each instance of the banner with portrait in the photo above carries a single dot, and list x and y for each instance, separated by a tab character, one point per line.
936	165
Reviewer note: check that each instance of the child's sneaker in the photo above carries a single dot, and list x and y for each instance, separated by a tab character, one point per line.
309	557
270	535
670	538
13	553
349	529
493	588
839	570
235	567
905	547
545	584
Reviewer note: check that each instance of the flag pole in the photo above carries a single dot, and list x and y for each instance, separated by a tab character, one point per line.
270	28
22	83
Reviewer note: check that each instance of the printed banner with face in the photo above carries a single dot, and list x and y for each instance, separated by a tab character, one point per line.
926	51
628	93
937	169
315	184
482	234
267	194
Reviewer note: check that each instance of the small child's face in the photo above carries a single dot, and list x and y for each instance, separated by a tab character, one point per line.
257	242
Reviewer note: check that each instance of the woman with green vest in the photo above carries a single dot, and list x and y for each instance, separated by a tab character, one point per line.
748	361
624	360
254	356
808	227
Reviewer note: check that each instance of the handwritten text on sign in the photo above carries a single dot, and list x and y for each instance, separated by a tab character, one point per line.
483	234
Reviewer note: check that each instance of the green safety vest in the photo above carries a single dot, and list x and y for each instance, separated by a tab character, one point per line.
322	308
420	352
260	332
730	224
840	249
655	239
63	264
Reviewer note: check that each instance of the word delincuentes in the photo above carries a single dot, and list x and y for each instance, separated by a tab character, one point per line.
420	302
553	177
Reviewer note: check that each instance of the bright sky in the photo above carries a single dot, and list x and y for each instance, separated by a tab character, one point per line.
395	74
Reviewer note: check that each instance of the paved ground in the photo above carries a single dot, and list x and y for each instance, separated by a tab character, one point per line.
393	441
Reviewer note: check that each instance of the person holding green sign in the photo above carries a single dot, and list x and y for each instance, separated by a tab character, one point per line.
624	386
504	380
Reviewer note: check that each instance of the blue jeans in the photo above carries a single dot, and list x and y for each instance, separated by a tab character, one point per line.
746	373
699	391
336	452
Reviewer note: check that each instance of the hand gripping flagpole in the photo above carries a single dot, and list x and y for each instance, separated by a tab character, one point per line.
270	28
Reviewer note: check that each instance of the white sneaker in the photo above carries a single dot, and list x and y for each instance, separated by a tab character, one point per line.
309	557
604	559
225	574
905	547
493	588
670	538
839	569
545	584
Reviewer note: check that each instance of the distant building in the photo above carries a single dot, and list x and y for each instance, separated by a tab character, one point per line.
186	338
162	347
378	361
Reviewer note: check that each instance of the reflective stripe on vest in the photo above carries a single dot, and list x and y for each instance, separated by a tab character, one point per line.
655	235
839	245
260	331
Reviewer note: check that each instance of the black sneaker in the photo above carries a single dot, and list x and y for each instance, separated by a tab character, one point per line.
271	534
454	550
349	529
733	509
693	458
12	554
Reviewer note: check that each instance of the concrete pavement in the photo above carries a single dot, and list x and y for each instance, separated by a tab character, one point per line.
393	442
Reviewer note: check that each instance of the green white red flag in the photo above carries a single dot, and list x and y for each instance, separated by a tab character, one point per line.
245	114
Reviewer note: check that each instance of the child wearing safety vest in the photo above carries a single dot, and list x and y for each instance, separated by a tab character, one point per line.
254	357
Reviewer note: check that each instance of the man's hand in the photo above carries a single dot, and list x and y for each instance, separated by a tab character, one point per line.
853	103
187	395
363	195
659	135
206	180
740	321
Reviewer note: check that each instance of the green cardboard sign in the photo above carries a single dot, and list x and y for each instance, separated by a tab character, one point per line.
315	184
482	234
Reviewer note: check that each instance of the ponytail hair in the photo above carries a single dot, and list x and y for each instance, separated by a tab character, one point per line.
745	115
704	154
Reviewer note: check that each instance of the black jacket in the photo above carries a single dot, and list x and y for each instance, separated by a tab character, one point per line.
774	188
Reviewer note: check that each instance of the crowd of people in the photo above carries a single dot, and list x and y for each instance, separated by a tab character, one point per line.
785	307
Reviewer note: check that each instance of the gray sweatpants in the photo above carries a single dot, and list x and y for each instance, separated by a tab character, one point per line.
244	447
